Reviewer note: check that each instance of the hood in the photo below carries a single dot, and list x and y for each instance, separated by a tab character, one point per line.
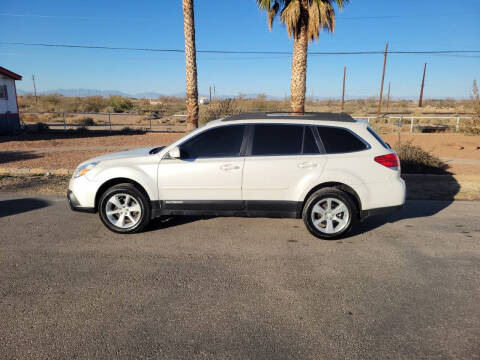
125	154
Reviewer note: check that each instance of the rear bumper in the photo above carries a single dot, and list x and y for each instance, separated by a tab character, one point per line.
380	211
75	205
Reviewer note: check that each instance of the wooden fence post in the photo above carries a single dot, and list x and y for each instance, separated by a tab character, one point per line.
110	122
457	127
64	123
411	124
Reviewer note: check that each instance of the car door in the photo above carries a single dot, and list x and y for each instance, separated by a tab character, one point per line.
208	174
282	160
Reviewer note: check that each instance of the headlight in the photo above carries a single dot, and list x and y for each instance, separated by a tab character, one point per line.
82	170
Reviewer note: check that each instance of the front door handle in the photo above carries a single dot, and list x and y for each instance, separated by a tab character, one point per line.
306	165
229	167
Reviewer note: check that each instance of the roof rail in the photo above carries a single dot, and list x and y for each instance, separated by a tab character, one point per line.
291	116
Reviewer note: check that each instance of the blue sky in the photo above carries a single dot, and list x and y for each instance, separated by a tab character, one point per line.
229	25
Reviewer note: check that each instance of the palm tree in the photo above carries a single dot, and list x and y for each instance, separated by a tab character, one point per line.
190	65
304	19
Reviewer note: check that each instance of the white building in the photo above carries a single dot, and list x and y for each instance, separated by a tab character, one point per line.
9	119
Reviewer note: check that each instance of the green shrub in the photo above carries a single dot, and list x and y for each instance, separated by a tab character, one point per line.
218	109
85	121
120	104
415	160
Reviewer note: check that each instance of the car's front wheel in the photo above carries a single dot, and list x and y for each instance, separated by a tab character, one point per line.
124	209
329	213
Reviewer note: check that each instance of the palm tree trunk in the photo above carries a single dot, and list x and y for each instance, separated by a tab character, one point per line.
298	85
190	65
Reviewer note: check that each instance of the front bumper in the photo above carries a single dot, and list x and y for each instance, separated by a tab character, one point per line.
75	205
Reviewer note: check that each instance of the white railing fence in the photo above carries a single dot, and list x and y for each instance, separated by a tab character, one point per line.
422	123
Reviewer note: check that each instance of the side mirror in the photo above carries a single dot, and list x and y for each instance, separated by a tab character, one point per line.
174	153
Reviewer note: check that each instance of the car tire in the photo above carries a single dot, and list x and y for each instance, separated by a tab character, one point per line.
329	213
124	209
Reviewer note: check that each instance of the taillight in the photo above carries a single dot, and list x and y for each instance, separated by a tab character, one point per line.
389	160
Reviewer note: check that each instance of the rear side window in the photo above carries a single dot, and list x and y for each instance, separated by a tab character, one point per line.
284	140
379	139
277	140
339	140
224	141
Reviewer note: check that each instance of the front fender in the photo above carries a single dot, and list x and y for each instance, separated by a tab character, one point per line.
144	175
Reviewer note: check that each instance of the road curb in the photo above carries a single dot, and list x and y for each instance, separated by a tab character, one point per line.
34	171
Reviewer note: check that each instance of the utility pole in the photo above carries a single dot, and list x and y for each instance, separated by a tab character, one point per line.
420	101
210	93
214	92
343	91
34	89
383	79
388	97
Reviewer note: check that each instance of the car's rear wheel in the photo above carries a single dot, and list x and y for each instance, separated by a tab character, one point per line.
329	213
124	209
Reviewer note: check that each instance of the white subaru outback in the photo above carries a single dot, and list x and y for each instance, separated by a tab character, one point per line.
328	169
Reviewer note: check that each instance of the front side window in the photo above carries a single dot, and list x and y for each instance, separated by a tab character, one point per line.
339	140
224	141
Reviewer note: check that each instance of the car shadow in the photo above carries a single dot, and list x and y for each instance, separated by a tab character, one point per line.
411	210
18	206
427	194
172	221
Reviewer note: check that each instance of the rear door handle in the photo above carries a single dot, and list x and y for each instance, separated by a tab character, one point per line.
306	165
229	167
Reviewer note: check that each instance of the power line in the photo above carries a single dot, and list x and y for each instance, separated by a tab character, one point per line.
339	17
386	17
374	52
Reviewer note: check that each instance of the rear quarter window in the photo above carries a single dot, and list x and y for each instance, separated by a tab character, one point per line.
339	140
379	139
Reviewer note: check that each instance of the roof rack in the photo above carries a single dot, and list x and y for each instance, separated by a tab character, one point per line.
291	116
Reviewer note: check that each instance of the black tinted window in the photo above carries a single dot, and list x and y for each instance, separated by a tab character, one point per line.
309	143
277	140
224	141
338	140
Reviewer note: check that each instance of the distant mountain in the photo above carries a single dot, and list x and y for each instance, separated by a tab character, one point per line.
92	92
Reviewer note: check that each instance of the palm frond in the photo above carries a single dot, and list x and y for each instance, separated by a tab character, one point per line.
264	4
290	16
272	13
322	17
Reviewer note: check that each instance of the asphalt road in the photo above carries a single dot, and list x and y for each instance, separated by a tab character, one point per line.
232	288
